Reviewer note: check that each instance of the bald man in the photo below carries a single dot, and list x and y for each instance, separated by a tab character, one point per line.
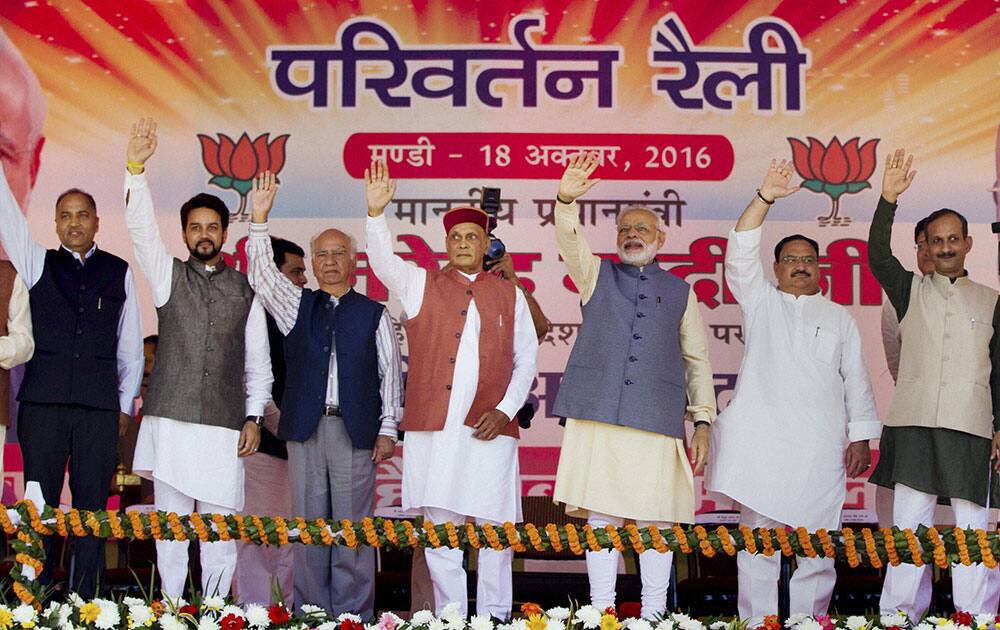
22	116
340	405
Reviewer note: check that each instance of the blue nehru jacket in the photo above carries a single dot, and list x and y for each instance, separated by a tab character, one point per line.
353	323
626	366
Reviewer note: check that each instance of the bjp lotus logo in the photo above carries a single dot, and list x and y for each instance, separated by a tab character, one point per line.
835	170
233	165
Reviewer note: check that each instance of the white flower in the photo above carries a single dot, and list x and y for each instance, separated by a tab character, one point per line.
133	601
685	622
214	603
140	613
24	614
638	624
480	622
855	622
897	619
76	600
665	624
984	620
554	624
170	622
455	622
256	616
809	624
350	616
588	616
421	618
326	625
559	613
109	617
310	610
924	626
436	624
796	619
519	624
718	625
452	609
207	623
58	614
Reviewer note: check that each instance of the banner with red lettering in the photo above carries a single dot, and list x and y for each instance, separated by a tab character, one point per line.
684	103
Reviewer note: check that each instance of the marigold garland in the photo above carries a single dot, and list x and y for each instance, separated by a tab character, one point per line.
572	539
726	540
659	543
873	558
805	541
591	537
300	524
137	529
616	540
74	522
222	527
533	537
199	527
963	548
782	535
452	533
849	549
706	547
984	550
765	539
241	527
261	530
916	553
154	526
411	534
282	529
940	556
325	534
389	529
553	533
682	539
748	540
491	536
635	538
432	536
61	522
889	543
350	538
174	522
826	543
513	540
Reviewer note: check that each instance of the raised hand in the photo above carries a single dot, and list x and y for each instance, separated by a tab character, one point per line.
141	141
775	184
265	186
898	176
379	189
575	179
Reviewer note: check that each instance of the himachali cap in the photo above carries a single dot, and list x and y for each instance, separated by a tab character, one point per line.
466	214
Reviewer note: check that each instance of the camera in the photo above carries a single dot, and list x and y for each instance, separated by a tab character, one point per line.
490	203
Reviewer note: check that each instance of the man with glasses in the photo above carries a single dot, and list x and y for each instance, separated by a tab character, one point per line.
638	370
943	422
803	392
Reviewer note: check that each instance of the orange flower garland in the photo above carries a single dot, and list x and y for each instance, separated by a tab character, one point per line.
137	529
221	526
472	536
261	531
281	527
411	534
782	535
984	550
553	533
304	535
432	536
940	556
706	547
174	522
889	542
616	540
682	539
368	529
60	522
916	553
533	537
573	539
765	539
805	541
199	527
870	549
849	549
389	528
963	548
491	536
74	522
748	540
513	540
826	543
635	538
324	532
241	527
725	539
658	541
449	529
347	532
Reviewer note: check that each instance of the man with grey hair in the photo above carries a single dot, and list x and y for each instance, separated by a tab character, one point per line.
638	370
340	407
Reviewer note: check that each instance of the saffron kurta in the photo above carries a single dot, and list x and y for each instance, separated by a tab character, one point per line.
802	393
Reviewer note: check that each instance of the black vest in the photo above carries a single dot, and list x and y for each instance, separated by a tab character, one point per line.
269	442
353	324
74	315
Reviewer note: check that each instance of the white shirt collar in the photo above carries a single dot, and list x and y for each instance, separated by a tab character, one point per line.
83	258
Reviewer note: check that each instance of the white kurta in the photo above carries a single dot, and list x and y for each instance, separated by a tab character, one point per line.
199	460
450	469
802	394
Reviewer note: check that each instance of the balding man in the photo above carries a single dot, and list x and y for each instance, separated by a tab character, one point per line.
22	117
638	370
340	405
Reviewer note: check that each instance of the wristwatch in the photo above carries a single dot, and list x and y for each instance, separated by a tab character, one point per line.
258	420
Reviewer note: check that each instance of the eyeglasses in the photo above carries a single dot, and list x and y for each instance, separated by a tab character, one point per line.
805	260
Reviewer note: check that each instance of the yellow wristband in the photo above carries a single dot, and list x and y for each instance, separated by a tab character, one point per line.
131	164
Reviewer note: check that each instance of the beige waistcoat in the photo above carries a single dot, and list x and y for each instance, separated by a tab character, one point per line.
944	364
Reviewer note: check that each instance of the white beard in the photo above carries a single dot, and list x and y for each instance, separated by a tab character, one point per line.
638	258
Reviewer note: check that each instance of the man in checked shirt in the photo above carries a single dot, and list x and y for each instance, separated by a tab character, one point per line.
340	406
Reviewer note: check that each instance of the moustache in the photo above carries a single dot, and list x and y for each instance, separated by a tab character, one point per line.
946	255
205	242
801	273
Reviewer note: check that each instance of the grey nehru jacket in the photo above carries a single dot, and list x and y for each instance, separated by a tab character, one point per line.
198	373
626	367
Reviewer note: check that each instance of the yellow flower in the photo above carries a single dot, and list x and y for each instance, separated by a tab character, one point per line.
537	622
28	624
610	622
89	612
6	619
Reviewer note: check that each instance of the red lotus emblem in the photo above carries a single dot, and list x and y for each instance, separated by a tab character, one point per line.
834	170
233	165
